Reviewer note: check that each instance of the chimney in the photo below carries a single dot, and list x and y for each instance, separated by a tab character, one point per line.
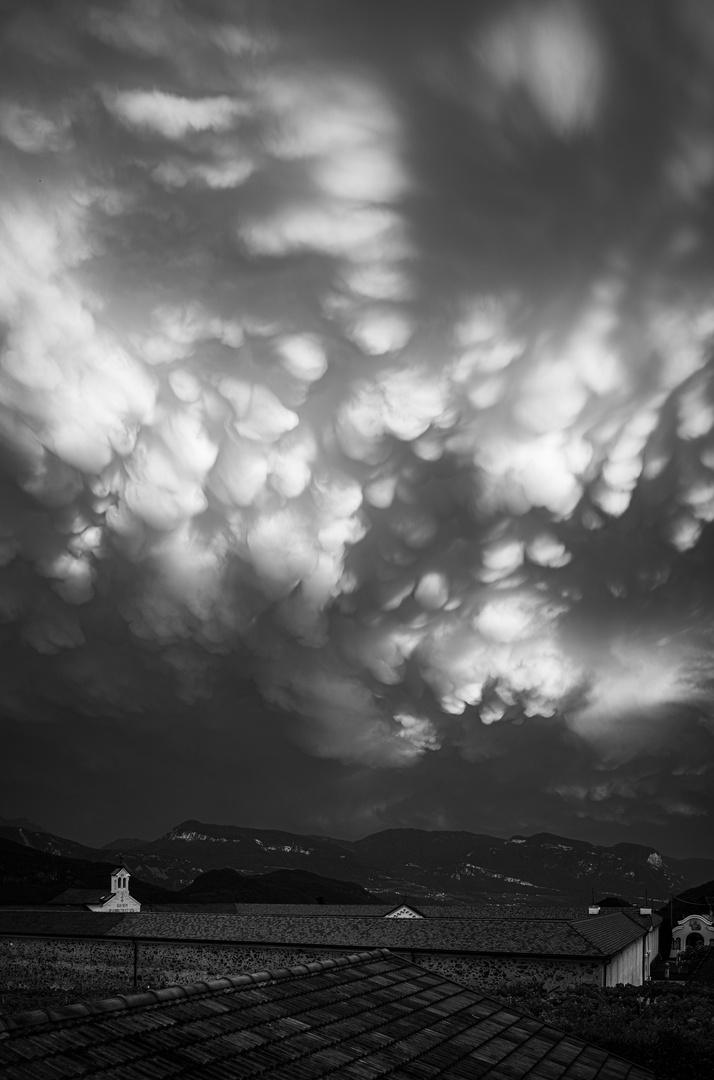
593	910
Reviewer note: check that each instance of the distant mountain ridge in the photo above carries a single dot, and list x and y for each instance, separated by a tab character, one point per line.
28	876
428	865
22	823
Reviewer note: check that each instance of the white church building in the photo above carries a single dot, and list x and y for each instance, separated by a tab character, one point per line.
117	898
690	932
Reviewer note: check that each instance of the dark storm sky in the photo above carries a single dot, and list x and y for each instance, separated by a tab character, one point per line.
356	416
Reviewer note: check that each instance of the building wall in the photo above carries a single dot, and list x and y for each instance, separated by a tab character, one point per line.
118	902
651	949
626	967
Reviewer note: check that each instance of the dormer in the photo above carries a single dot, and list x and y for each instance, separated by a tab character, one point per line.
404	911
120	880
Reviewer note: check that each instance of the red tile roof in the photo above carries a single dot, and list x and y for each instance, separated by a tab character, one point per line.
356	1017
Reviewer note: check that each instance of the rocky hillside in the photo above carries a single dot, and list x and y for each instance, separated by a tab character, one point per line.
37	877
276	887
28	876
427	865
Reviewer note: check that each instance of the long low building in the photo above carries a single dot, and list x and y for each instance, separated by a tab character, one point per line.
604	950
357	1017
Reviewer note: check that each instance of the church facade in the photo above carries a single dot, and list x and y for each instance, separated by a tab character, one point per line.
117	899
691	932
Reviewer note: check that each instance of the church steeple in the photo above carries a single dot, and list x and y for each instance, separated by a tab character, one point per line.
120	881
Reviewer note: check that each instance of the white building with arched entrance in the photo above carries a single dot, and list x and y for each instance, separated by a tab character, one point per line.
690	932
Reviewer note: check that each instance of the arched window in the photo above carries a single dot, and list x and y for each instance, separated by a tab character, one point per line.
694	941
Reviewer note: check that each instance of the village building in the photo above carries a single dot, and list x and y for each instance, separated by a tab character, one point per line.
117	899
360	1016
692	932
603	950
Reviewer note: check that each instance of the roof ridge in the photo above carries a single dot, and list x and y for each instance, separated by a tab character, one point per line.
36	1017
591	919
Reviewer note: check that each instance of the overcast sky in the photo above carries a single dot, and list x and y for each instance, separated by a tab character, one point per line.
356	416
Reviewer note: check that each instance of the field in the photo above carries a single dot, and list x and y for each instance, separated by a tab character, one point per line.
39	973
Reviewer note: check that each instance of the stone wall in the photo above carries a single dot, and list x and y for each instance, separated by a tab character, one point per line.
482	972
473	971
42	971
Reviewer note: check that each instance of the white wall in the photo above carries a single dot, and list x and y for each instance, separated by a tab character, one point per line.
118	902
651	948
626	967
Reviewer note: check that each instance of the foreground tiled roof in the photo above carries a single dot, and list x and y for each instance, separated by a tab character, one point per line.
597	937
353	1018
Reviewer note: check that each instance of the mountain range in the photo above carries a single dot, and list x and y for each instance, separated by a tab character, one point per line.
28	876
425	865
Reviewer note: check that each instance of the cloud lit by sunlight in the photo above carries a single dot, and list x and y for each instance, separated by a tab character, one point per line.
272	394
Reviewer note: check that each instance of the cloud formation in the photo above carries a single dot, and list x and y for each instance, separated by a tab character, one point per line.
379	373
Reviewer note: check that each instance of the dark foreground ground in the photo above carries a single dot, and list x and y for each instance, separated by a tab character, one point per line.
665	1026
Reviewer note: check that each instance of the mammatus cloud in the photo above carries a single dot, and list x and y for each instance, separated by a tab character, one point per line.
415	430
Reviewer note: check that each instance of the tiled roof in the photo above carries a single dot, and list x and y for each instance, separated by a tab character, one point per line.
609	933
644	920
593	937
59	923
360	911
429	911
539	937
81	896
502	911
354	1018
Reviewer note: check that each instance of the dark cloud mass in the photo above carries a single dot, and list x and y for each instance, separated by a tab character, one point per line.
356	416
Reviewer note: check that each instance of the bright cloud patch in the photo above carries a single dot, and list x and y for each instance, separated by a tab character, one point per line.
298	377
